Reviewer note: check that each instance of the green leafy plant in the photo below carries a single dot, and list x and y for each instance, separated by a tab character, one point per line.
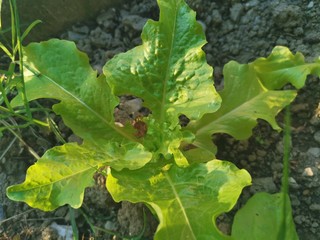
172	169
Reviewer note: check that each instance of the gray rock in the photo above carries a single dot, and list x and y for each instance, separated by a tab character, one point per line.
287	16
110	225
263	185
61	212
64	231
134	21
279	146
99	38
251	4
236	11
295	201
313	151
216	18
227	27
282	42
84	45
312	37
106	19
298	31
314	207
299	219
261	153
293	183
310	5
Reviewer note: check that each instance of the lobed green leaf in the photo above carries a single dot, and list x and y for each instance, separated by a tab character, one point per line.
245	97
59	71
169	70
282	67
60	176
186	200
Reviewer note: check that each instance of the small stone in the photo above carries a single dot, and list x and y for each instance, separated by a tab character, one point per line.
64	231
84	45
279	147
134	21
110	225
132	106
308	172
261	153
225	227
227	27
49	233
315	224
244	144
106	19
61	212
299	219
236	12
307	200
282	42
314	207
251	4
315	152
310	5
313	230
293	183
263	185
312	37
298	31
252	157
306	192
295	201
99	38
74	138
277	166
316	136
216	18
287	16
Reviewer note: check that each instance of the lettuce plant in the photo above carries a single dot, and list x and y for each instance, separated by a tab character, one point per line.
172	169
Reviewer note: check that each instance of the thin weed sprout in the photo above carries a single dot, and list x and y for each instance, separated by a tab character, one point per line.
12	79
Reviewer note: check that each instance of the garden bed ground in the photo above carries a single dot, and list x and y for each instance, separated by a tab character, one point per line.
236	30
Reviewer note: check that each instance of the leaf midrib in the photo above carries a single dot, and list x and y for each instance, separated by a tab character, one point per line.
111	125
167	76
177	197
88	167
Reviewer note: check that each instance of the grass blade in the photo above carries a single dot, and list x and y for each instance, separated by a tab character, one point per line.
29	28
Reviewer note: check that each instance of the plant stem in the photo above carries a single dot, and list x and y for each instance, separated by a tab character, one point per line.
285	175
19	45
